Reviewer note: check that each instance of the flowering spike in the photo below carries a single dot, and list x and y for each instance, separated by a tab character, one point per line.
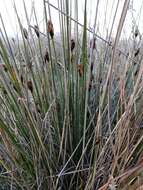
50	29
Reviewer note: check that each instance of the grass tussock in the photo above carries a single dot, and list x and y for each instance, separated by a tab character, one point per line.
71	112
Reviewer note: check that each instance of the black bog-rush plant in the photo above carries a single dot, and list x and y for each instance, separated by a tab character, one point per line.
71	110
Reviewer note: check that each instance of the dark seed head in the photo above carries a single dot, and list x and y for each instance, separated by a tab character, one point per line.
93	43
38	107
90	86
80	69
136	72
30	86
46	57
118	78
50	29
72	45
5	68
137	52
21	78
15	88
4	91
136	32
97	140
91	67
36	29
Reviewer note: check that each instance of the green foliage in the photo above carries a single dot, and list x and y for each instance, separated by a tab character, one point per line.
67	119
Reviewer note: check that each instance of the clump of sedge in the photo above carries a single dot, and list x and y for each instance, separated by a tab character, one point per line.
50	29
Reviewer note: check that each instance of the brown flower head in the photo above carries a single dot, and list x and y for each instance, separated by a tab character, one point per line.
80	69
50	29
46	57
30	86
